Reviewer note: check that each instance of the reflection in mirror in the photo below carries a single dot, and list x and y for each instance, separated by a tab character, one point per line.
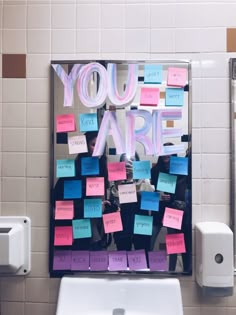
120	167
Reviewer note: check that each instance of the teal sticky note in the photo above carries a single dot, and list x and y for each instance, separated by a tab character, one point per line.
90	166
65	168
88	122
93	208
174	97
166	183
150	200
72	189
81	228
143	224
178	165
141	169
152	74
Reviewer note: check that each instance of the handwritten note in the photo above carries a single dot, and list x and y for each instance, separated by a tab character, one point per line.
81	228
80	260
116	171
93	208
65	168
178	165
65	123
141	170
149	96
175	243
150	200
173	218
166	183
143	224
137	260
62	260
95	186
64	210
98	260
158	261
88	122
63	235
176	76
89	166
72	189
127	193
174	97
77	144
152	74
117	260
112	222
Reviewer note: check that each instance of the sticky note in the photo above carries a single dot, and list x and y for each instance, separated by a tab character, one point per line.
173	218
166	183
116	171
72	189
176	76
62	260
158	261
143	224
137	260
175	243
174	97
112	222
89	166
93	208
80	260
127	193
63	235
141	170
81	228
88	122
117	260
95	186
64	210
150	200
178	165
65	168
77	144
65	123
98	260
153	74
149	96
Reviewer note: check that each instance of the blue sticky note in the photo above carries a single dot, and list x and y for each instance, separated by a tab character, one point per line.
166	183
152	74
72	189
143	224
93	208
150	200
178	165
88	122
141	169
89	166
81	228
65	168
174	97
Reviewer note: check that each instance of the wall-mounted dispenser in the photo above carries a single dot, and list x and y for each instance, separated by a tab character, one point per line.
15	245
214	258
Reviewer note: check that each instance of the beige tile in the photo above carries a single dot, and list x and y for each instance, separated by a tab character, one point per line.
13	189
39	2
37	165
37	290
38	66
18	2
13	140
38	115
112	41
39	233
14	208
83	45
113	16
88	16
14	41
64	16
13	289
38	41
14	90
54	290
38	213
13	164
38	16
39	265
9	308
137	40
192	310
38	309
14	115
37	140
63	41
14	17
37	190
37	90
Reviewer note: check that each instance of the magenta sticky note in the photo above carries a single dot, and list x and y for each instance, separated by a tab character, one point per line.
62	260
98	260
117	260
95	186
158	261
65	123
137	260
63	235
116	171
64	210
149	96
176	76
112	222
175	243
173	218
80	260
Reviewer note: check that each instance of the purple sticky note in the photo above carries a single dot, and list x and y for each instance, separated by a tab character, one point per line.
80	260
137	260
117	260
62	260
98	261
158	261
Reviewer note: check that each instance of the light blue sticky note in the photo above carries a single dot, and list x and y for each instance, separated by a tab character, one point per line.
166	183
81	228
143	224
152	74
90	166
93	208
150	200
178	165
72	189
65	168
174	97
141	169
88	122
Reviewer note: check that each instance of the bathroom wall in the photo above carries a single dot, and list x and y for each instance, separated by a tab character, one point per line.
42	30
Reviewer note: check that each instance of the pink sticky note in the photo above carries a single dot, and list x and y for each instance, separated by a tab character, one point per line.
177	77
63	235
127	193
173	218
95	186
112	222
65	123
116	171
64	210
149	96
175	243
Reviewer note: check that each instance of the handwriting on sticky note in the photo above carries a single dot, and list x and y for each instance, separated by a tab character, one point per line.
143	224
117	260
137	260
127	193
98	260
80	260
166	183
152	74
62	260
81	228
64	210
150	200
92	208
173	218
158	261
77	144
112	222
95	186
63	235
65	168
175	243
88	122
174	97
176	76
90	165
141	170
116	171
178	165
149	96
65	123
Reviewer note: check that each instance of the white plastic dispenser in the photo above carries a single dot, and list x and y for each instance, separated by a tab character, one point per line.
214	258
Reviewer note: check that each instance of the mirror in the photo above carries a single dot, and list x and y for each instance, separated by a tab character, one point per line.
120	167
